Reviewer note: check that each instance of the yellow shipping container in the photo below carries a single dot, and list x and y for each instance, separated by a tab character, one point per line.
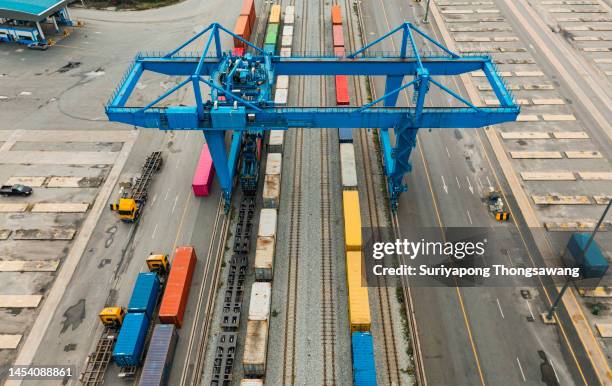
275	14
359	304
352	220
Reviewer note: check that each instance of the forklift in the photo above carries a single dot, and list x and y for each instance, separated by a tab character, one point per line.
496	206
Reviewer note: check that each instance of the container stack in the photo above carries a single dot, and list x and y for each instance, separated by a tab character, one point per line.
256	344
287	38
342	97
273	30
244	25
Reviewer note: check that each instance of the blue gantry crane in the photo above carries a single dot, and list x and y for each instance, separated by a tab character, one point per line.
241	100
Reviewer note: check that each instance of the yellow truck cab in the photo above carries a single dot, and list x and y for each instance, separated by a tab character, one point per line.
158	263
112	316
127	209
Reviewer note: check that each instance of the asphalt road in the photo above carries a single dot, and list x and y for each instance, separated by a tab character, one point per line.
75	100
469	335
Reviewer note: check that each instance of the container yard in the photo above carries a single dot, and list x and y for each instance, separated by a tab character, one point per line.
263	192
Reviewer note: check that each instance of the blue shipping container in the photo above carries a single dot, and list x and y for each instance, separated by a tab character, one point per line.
364	368
144	294
131	340
593	264
159	356
346	135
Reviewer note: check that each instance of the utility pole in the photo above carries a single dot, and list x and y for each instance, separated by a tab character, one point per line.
425	21
549	316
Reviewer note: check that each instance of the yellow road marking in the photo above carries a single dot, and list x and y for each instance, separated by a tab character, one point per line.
465	317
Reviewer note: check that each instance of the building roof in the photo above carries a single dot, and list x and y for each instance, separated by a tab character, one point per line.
30	10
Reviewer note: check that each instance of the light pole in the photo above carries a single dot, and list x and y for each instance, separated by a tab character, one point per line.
549	316
426	12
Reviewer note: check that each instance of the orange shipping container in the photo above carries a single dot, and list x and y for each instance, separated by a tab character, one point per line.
243	30
248	9
175	297
275	14
336	15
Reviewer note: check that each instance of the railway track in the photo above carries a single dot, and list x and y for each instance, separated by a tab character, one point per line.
376	218
295	212
198	336
328	269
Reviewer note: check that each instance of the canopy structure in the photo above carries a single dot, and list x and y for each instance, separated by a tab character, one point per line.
30	10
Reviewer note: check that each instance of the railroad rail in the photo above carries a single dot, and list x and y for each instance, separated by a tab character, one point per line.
366	146
198	336
328	269
295	213
377	220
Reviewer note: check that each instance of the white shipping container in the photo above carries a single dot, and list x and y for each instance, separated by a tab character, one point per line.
271	191
347	166
264	259
267	223
255	348
275	142
282	81
274	163
289	18
280	96
288	30
287	41
251	382
290	10
259	306
285	52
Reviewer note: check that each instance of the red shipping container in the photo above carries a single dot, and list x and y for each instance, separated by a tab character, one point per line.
339	51
176	294
243	30
238	51
342	97
336	15
248	9
338	36
204	173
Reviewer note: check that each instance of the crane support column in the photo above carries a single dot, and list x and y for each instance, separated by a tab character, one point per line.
391	83
224	165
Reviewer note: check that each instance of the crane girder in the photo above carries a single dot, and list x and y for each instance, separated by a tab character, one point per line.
241	89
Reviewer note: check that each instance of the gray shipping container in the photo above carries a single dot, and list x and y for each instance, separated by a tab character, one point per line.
271	191
267	223
159	358
275	143
264	259
347	166
255	348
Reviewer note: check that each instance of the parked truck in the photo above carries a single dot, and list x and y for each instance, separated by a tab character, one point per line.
15	190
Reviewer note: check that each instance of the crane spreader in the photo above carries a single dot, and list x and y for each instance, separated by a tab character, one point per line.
241	87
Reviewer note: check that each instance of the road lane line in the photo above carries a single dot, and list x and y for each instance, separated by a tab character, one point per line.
447	152
175	201
469	217
521	368
530	311
154	198
444	185
166	196
489	182
500	309
554	371
154	231
470	187
458	184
